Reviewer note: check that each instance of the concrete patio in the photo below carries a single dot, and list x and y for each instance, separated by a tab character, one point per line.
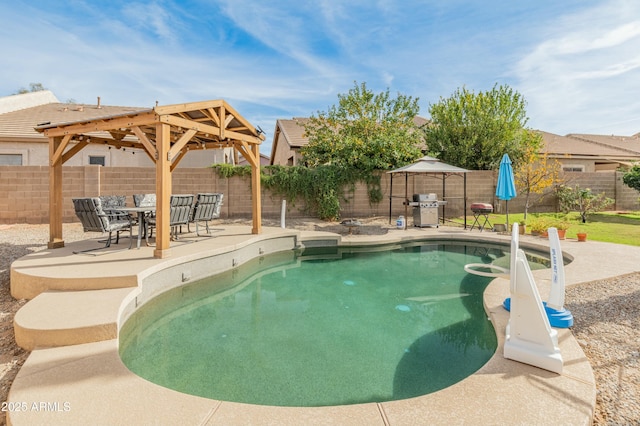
74	374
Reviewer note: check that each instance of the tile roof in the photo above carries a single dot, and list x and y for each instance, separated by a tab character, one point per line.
293	129
17	125
26	100
557	145
629	143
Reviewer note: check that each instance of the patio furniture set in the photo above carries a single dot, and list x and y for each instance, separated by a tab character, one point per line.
109	214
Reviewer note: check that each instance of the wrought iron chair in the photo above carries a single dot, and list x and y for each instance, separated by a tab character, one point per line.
144	200
94	219
180	207
206	208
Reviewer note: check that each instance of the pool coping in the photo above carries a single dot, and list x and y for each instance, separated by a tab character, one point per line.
87	383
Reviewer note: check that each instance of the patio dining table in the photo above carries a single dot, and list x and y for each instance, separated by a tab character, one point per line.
141	211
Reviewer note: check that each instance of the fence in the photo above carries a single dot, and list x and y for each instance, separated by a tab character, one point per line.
24	191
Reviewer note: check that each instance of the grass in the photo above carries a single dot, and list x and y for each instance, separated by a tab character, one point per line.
612	227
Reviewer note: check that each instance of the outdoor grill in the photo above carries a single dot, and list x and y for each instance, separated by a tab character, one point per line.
425	210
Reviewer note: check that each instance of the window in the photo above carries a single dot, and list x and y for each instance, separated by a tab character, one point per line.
10	159
94	159
573	168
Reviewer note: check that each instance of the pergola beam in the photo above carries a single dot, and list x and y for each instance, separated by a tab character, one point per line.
102	125
144	140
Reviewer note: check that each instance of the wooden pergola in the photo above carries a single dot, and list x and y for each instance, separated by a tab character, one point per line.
166	134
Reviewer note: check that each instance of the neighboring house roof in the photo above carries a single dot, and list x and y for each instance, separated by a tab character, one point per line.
19	124
291	133
595	147
626	143
26	100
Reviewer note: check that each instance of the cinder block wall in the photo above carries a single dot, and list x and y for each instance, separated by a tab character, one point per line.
24	191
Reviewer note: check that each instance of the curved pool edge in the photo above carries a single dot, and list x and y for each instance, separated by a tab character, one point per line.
99	388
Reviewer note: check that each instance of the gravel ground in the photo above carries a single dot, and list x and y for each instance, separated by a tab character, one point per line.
606	314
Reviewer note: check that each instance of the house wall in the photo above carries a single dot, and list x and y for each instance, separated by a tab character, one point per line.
37	154
283	154
24	192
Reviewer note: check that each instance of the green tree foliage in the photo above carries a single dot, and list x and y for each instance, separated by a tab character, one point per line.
364	131
535	172
33	87
581	200
632	177
473	131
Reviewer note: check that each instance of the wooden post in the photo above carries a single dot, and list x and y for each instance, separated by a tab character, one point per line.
256	200
163	191
55	195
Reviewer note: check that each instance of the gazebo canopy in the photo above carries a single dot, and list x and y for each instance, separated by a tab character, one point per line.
166	134
429	165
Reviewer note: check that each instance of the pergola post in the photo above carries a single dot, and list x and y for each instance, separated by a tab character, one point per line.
256	199
163	191
55	195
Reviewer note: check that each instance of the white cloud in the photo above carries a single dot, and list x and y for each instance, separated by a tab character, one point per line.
585	75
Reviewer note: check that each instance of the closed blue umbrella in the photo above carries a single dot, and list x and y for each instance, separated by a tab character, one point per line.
506	188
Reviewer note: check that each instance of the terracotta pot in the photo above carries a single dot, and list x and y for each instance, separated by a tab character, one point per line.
562	234
582	236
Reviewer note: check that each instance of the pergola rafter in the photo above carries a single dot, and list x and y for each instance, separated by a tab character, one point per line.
166	134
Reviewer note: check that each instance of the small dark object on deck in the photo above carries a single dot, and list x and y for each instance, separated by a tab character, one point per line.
351	224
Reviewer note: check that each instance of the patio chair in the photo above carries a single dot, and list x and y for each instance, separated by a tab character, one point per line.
95	219
113	201
179	209
206	208
110	204
144	200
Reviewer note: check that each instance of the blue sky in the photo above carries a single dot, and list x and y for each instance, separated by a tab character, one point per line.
576	62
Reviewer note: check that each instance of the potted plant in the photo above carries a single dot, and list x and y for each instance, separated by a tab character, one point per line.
538	226
561	226
522	226
582	236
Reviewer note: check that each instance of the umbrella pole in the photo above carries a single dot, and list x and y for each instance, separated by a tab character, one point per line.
507	208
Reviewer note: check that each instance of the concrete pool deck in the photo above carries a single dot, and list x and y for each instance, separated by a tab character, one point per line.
77	301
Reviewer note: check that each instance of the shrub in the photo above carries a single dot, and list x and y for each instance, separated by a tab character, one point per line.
581	200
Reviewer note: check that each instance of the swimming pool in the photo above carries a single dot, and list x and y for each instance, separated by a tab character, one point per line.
324	328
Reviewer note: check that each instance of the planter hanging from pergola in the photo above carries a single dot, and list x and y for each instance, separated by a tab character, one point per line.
166	134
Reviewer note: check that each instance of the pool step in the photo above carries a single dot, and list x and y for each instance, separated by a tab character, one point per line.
56	318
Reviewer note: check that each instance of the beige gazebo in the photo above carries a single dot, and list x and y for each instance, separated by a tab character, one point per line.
166	134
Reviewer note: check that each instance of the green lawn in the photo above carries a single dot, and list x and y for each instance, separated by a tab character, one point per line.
620	228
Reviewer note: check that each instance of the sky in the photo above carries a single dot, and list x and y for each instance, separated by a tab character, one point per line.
576	62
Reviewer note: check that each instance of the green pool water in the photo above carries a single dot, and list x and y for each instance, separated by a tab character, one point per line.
320	329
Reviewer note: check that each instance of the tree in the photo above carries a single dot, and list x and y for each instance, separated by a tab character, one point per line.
473	131
632	177
364	131
33	87
534	172
582	200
